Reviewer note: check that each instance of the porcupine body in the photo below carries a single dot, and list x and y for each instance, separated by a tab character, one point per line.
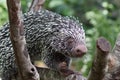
49	36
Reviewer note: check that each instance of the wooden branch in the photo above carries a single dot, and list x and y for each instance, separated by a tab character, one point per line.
116	49
114	62
100	61
47	74
36	5
26	69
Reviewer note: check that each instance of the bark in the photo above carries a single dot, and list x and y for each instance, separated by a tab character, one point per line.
99	64
114	62
48	74
26	69
36	5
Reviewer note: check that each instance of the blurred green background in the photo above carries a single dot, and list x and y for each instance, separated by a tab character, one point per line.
99	18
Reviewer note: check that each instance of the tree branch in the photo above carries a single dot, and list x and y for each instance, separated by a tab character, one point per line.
47	74
100	61
36	5
114	62
26	69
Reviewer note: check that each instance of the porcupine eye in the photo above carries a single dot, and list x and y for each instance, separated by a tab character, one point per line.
70	42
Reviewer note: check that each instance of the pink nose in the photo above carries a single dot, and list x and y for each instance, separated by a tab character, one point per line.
80	50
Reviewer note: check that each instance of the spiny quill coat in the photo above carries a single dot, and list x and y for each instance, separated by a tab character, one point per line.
50	37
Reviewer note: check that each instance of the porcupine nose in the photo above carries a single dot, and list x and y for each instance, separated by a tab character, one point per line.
80	50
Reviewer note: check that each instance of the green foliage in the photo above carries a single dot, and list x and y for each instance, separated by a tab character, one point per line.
103	25
3	12
99	17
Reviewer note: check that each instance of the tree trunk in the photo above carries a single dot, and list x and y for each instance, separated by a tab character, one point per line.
26	70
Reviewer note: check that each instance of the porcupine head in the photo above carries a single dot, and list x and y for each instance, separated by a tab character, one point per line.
71	39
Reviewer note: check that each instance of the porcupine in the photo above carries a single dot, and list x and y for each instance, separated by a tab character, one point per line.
50	37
